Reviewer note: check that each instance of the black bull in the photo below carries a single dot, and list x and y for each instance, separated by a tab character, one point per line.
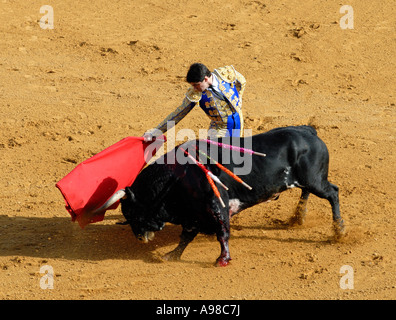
180	193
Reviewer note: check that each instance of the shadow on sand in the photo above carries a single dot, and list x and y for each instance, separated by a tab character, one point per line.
59	237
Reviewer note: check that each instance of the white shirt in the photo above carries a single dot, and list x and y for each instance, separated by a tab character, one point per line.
215	88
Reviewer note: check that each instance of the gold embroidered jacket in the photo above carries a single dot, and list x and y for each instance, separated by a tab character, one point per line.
225	114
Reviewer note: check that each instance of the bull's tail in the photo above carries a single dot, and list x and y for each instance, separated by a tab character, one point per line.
310	129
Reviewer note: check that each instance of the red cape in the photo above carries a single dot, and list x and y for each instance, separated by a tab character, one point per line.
94	181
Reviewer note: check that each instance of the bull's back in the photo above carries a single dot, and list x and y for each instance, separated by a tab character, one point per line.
286	149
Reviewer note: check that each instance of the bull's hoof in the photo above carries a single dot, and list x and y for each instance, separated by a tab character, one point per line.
339	229
171	256
296	220
222	262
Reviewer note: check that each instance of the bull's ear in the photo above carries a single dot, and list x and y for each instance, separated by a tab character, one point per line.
129	194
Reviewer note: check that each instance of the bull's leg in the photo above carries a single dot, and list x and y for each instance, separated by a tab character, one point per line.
186	237
338	222
223	235
329	191
222	222
301	209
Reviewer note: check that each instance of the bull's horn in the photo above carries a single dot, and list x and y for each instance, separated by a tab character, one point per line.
113	199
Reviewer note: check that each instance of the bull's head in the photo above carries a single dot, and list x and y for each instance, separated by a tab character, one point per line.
146	213
142	218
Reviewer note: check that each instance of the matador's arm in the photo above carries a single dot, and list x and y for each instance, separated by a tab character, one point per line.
190	100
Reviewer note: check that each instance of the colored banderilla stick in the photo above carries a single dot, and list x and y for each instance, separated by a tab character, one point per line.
204	169
235	148
230	173
209	176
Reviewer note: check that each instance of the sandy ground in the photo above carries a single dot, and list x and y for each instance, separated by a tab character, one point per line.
111	69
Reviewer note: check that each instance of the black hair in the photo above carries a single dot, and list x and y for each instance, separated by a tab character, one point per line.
197	73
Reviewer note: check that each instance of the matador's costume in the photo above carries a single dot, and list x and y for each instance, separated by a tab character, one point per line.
222	102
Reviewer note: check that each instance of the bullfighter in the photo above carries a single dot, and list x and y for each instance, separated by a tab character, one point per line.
218	93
